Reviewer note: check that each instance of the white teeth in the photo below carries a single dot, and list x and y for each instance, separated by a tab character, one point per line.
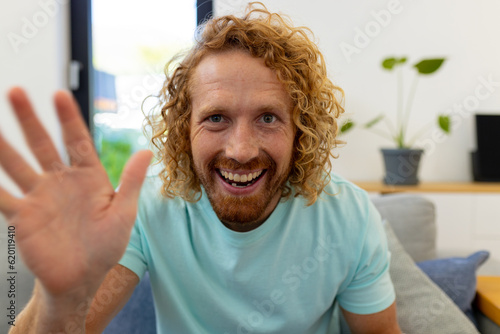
240	178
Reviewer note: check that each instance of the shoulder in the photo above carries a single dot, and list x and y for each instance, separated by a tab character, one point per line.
342	206
341	193
344	210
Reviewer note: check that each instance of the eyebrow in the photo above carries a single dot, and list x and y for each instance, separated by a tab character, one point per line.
210	110
273	107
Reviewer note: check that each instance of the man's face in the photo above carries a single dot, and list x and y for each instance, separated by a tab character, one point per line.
241	136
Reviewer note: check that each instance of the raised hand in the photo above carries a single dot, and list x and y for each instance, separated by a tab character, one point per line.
71	226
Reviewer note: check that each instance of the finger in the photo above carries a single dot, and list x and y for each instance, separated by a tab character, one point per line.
131	181
75	133
8	203
16	167
38	140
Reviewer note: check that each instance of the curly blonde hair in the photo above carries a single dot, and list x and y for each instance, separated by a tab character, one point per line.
299	65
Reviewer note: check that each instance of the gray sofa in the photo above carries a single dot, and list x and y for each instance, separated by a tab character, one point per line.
423	306
431	292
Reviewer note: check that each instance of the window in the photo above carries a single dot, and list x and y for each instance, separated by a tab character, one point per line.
119	48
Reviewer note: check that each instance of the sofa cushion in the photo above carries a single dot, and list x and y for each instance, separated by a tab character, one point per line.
412	219
138	315
421	305
457	278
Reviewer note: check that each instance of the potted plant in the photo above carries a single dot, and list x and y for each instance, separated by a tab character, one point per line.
402	162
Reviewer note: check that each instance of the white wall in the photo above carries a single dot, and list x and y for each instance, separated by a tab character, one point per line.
34	52
34	49
465	32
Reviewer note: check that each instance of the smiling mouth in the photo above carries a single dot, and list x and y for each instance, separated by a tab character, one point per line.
241	180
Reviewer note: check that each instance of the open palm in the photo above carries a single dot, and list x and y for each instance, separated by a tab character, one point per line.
71	225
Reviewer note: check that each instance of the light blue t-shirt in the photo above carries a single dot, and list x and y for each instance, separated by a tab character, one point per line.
287	276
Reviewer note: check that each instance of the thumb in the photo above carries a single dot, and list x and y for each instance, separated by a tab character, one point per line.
131	181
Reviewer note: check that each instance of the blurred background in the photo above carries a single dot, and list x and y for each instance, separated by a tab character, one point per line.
132	42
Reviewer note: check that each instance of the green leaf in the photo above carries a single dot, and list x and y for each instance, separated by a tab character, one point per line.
429	66
346	126
374	121
389	63
444	123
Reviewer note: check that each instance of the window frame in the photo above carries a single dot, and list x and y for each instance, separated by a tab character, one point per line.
81	49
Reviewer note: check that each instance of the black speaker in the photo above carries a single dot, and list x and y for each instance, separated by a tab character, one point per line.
486	159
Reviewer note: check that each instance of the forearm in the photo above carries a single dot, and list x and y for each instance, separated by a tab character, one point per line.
43	315
384	322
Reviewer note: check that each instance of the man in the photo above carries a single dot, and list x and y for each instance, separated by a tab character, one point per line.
251	233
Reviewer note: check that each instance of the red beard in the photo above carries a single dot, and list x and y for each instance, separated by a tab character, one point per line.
241	211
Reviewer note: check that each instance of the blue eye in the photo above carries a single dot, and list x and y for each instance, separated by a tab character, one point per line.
268	118
215	118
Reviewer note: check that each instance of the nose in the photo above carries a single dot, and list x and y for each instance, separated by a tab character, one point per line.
242	144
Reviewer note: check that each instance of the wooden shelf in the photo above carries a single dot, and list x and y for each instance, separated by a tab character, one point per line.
488	297
432	187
